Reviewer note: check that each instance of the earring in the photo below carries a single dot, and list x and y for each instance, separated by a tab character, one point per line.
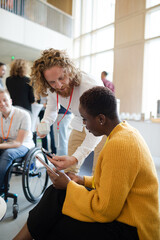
101	123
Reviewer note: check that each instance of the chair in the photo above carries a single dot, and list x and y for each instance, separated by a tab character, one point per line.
34	176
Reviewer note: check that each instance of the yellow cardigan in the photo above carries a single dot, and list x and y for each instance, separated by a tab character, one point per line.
126	186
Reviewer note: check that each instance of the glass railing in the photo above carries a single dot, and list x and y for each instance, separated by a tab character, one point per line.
42	13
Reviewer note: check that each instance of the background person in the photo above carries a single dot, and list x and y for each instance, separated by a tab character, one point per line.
119	202
110	85
18	85
43	100
2	73
64	131
15	134
106	82
55	75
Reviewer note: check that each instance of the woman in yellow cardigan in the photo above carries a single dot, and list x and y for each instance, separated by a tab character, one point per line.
119	202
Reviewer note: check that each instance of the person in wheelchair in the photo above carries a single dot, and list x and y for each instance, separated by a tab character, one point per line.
119	202
15	134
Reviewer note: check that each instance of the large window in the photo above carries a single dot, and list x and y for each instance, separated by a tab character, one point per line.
151	79
94	36
151	3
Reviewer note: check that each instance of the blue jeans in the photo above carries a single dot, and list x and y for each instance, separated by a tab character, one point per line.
64	133
6	158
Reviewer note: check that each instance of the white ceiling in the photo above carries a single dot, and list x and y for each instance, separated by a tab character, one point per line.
8	49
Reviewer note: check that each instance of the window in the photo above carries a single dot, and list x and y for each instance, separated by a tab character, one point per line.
152	28
151	76
86	45
151	3
94	35
102	61
103	39
85	64
103	12
76	48
151	85
86	16
77	17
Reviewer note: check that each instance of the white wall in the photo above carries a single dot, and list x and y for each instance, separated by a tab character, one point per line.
20	30
150	132
25	39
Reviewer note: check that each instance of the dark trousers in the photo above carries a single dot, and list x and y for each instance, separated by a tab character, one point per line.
46	221
44	140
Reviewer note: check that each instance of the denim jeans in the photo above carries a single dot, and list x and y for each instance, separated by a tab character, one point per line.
6	158
63	134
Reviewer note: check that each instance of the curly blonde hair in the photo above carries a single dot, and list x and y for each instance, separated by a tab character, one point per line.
19	68
51	58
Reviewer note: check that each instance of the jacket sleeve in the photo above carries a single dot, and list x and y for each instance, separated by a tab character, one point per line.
88	181
87	146
50	114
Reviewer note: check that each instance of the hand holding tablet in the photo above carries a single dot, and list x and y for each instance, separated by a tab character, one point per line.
47	153
47	166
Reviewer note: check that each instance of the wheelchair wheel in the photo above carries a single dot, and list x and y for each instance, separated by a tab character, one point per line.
34	177
15	210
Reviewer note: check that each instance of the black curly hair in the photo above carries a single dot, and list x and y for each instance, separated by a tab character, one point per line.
99	100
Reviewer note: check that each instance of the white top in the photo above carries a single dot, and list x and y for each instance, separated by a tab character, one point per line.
21	120
90	142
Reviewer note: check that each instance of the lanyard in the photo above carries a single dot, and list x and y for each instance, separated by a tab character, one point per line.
6	138
58	122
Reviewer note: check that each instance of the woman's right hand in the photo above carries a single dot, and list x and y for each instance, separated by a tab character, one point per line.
63	162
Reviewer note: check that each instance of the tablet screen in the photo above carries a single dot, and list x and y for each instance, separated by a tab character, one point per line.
47	166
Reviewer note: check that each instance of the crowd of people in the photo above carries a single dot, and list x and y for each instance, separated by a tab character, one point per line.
120	200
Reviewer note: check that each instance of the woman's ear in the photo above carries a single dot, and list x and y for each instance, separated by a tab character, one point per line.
101	119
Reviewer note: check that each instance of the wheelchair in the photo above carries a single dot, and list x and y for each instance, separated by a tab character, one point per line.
34	174
34	178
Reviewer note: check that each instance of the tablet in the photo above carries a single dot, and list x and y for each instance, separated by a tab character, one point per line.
47	153
47	166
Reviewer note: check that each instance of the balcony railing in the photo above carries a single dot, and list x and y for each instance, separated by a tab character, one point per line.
42	13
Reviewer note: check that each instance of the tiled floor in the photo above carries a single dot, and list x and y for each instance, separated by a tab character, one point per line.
10	227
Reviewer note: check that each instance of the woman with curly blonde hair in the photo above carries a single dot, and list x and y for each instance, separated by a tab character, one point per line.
54	75
18	85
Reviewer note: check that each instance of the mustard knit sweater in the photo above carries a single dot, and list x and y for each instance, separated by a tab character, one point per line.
126	186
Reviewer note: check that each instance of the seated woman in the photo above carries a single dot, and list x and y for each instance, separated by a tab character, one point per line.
119	202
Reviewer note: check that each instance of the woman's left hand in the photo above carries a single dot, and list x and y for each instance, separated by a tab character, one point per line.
61	181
